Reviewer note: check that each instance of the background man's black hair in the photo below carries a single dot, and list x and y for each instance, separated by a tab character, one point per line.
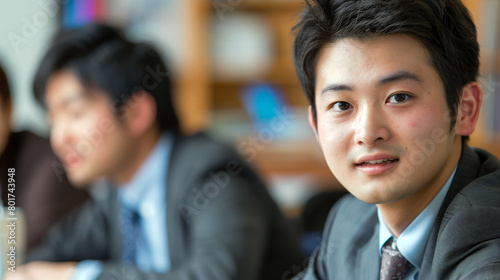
444	27
102	58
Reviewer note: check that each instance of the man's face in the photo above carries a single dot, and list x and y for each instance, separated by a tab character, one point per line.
382	118
85	133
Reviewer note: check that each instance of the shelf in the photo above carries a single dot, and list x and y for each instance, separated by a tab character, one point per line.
259	5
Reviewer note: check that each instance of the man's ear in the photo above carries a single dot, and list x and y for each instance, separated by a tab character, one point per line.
312	122
468	109
142	112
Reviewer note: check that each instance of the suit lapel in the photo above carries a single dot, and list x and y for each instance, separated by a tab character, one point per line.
425	269
369	258
467	171
174	175
106	193
113	208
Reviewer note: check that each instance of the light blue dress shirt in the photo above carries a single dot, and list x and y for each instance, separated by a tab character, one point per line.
146	194
413	240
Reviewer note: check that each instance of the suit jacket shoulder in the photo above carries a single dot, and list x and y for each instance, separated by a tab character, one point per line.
349	246
89	233
208	180
468	227
221	222
196	156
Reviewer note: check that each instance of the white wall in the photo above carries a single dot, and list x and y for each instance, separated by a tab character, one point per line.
26	28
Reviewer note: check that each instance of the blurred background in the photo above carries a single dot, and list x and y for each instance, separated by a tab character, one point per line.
232	65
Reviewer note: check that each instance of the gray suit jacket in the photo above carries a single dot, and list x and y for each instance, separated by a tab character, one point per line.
464	243
221	223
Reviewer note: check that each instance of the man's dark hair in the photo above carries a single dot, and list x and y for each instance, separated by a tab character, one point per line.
4	88
444	27
102	58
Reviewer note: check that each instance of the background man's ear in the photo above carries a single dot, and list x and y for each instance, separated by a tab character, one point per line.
142	112
468	109
312	123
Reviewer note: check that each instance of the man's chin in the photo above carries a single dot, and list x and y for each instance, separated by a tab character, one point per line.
371	200
79	181
379	197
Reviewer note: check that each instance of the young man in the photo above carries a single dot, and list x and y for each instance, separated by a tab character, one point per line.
183	207
393	97
40	190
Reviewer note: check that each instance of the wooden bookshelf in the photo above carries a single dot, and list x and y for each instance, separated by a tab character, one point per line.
200	94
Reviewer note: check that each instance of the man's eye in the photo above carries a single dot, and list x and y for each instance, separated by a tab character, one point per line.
341	106
398	98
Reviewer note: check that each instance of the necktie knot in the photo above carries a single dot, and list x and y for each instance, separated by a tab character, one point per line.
394	265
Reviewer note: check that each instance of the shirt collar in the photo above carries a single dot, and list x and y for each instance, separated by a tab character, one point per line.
148	183
412	241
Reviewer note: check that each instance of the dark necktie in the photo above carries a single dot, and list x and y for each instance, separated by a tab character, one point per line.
394	265
129	224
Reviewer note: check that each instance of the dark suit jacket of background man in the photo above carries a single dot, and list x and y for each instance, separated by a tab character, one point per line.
210	235
464	242
42	188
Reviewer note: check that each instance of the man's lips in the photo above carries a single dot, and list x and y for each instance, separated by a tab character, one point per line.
376	159
376	164
380	161
71	160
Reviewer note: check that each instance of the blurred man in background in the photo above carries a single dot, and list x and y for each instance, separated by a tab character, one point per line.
41	190
182	207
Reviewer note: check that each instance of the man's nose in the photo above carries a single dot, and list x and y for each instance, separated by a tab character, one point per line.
371	126
60	135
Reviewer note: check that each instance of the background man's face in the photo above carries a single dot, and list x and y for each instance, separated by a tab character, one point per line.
382	118
85	132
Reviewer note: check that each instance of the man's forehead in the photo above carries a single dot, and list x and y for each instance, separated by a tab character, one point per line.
64	99
381	57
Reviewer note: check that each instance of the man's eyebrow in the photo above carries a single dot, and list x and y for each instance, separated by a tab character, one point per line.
72	98
398	76
68	100
393	77
336	87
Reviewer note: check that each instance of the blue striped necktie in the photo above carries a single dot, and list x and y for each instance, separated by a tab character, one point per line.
129	224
